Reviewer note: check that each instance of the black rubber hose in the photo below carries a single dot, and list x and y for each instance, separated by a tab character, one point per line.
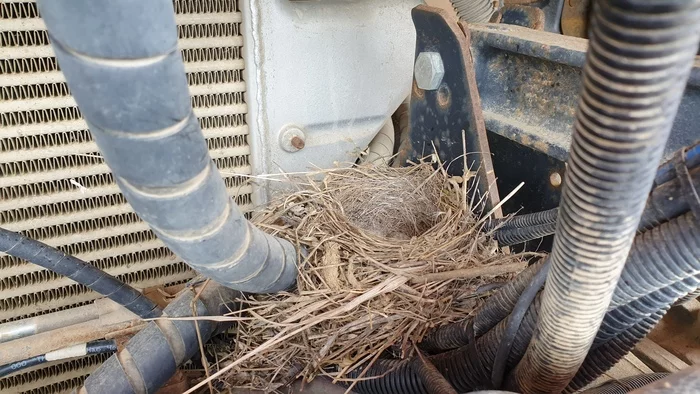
649	284
603	358
638	61
467	368
625	385
35	252
661	257
686	381
668	201
152	356
432	379
526	220
11	368
621	318
123	67
617	336
665	202
470	367
514	236
691	296
513	325
94	347
491	312
389	376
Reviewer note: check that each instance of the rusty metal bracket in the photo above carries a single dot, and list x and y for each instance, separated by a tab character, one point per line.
529	82
439	118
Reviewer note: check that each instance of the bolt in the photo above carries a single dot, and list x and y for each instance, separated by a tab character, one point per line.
292	139
298	142
428	70
555	179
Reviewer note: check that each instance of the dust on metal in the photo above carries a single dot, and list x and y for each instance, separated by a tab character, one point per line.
429	70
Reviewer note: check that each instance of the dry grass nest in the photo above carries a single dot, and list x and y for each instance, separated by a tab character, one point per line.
389	254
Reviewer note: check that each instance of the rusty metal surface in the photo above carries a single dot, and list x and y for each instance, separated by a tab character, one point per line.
439	117
529	83
520	15
574	18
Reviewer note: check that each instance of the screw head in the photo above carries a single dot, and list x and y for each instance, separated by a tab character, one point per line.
428	70
292	139
555	179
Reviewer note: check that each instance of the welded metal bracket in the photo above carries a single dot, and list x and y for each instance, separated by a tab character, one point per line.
443	120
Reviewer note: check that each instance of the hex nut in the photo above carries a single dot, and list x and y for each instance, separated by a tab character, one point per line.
292	139
428	70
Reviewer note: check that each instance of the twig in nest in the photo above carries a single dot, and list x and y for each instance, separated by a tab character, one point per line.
471	273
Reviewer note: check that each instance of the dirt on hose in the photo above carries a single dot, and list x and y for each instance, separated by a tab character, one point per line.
374	240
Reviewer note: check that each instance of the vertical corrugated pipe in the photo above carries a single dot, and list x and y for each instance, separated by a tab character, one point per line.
475	11
639	58
123	66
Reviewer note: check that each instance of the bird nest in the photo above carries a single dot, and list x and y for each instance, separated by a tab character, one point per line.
388	254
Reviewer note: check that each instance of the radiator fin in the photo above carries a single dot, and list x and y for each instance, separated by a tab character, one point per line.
55	187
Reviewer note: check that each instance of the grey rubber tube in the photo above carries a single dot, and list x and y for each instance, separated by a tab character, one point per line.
152	356
638	62
122	65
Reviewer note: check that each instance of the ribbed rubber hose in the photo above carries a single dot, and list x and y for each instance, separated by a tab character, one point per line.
607	351
663	256
124	69
525	220
152	356
638	62
656	280
686	381
491	312
514	236
35	252
625	385
691	296
658	259
470	367
432	379
474	11
665	202
600	360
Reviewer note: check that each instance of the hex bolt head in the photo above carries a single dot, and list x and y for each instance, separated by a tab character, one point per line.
428	70
292	139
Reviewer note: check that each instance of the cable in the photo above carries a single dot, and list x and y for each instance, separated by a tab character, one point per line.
17	245
513	325
94	347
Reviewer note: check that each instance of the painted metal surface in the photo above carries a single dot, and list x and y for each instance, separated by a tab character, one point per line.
444	120
336	70
529	83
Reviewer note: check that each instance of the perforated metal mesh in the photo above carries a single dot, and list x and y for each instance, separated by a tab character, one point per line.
55	187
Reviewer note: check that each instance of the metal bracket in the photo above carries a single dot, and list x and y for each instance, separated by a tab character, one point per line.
444	119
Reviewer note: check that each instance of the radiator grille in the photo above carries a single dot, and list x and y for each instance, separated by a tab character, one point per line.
55	187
